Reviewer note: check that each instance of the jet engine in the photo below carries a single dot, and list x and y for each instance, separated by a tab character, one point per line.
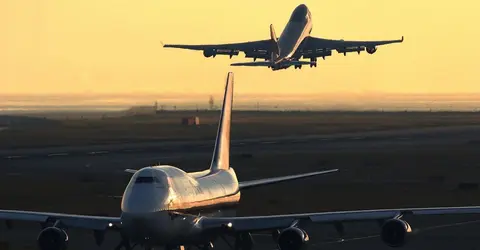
394	232
209	52
292	238
371	50
52	238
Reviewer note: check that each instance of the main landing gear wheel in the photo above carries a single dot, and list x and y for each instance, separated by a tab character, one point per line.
175	248
125	243
208	246
244	241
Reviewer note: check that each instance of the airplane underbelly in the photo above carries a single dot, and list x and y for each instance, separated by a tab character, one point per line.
292	38
161	228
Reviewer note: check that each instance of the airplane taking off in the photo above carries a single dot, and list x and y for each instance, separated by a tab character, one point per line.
294	43
165	206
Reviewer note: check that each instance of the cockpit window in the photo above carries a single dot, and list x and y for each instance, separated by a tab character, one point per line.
146	179
300	14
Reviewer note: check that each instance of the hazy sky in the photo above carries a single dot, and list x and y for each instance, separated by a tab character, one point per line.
114	46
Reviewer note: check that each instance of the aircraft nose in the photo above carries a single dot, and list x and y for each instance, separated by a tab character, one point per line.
303	6
144	197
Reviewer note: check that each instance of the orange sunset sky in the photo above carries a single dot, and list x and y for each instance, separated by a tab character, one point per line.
114	46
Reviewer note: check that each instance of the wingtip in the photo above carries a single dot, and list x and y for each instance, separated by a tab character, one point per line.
402	39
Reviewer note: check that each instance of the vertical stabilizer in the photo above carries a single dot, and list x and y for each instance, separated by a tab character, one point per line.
273	35
275	48
221	153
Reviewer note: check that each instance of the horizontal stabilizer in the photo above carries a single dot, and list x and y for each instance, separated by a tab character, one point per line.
261	182
131	171
268	63
256	64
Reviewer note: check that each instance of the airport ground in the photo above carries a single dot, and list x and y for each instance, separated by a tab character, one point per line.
77	129
395	168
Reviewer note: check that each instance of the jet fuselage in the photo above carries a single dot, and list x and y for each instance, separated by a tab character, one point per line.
297	29
161	204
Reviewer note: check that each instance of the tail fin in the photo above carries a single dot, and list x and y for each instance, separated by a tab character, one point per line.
273	37
221	153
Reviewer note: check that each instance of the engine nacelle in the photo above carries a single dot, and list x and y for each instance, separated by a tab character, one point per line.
209	52
52	238
395	232
371	50
292	238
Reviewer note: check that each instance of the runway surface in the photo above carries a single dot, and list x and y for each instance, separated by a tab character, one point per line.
391	168
168	153
446	234
454	134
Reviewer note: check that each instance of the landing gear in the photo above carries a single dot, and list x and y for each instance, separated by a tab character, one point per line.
125	243
298	66
313	62
244	241
171	248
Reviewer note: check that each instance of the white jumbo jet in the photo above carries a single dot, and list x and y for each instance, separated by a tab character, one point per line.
294	43
165	206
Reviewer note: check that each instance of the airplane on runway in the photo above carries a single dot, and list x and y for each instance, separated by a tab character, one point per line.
294	43
165	206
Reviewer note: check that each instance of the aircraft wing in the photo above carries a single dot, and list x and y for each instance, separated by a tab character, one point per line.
261	44
321	43
68	220
273	222
249	184
257	49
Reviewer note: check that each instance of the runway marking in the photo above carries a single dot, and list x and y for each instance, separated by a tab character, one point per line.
358	138
98	152
269	142
300	141
58	154
14	156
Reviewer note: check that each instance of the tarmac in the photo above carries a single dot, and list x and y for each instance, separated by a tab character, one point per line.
394	157
435	135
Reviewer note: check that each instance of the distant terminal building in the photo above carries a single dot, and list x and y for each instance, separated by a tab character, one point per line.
193	120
